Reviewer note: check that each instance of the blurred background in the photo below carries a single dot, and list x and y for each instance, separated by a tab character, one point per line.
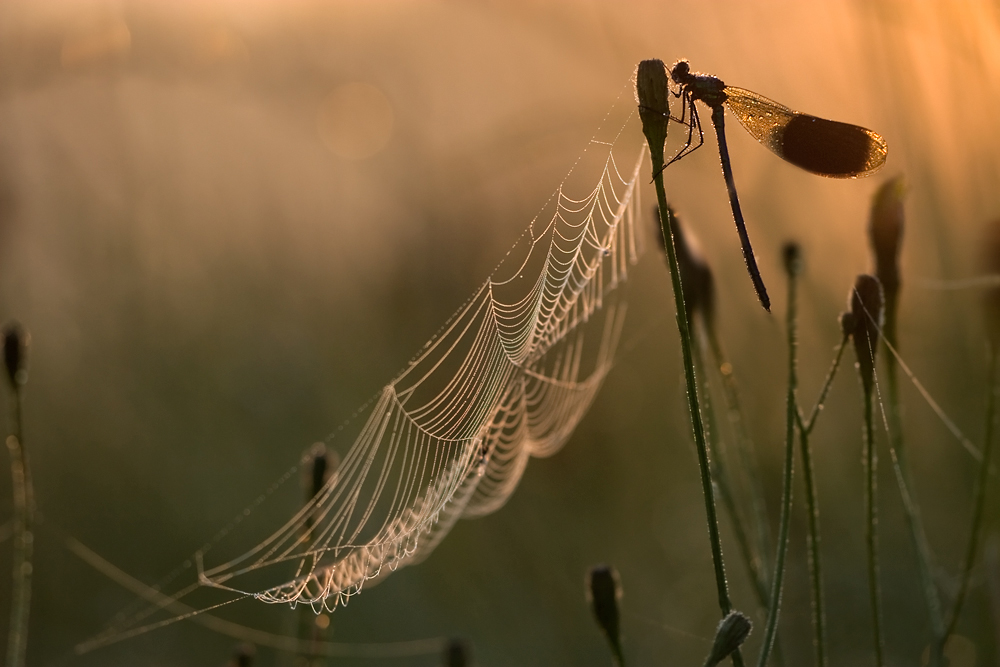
228	224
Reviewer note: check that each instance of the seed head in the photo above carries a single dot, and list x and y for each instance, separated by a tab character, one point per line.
15	352
653	95
731	633
604	590
697	283
867	308
791	255
318	469
886	233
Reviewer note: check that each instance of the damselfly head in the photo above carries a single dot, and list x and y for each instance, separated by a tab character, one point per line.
680	70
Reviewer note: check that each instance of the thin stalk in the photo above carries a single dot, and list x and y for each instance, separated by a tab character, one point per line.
815	562
17	641
683	327
791	411
980	499
747	455
719	121
807	425
653	92
720	473
911	508
871	529
812	508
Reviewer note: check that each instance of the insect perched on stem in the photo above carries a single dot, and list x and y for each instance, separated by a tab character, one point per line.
823	147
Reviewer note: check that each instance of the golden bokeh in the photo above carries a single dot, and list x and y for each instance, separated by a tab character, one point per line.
355	121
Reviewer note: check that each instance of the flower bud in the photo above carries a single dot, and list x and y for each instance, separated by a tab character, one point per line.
697	283
867	309
791	255
653	94
604	591
886	233
731	633
15	349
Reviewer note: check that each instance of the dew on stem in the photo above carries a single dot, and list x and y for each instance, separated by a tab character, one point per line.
653	95
863	324
15	347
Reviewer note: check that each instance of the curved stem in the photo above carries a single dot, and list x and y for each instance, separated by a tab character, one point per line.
683	327
815	562
720	473
871	529
980	499
911	508
791	410
747	455
17	641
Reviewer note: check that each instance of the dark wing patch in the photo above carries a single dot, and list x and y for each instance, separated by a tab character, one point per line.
830	148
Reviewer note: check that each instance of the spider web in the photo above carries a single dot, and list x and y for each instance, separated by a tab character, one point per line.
508	377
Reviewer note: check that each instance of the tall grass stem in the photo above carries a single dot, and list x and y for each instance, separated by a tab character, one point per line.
653	94
979	502
791	410
17	639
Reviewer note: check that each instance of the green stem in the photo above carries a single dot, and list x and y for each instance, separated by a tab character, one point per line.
871	529
815	563
791	411
720	473
812	506
683	327
911	508
980	498
747	455
808	424
17	642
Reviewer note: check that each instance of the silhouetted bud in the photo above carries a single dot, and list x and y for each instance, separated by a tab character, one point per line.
243	655
886	232
731	633
653	94
320	465
15	351
697	283
791	256
846	321
991	264
457	653
867	306
604	591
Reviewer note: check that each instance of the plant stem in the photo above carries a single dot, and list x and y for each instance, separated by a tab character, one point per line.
683	327
815	563
871	529
17	641
747	456
720	473
653	92
980	498
808	424
791	411
911	508
812	506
